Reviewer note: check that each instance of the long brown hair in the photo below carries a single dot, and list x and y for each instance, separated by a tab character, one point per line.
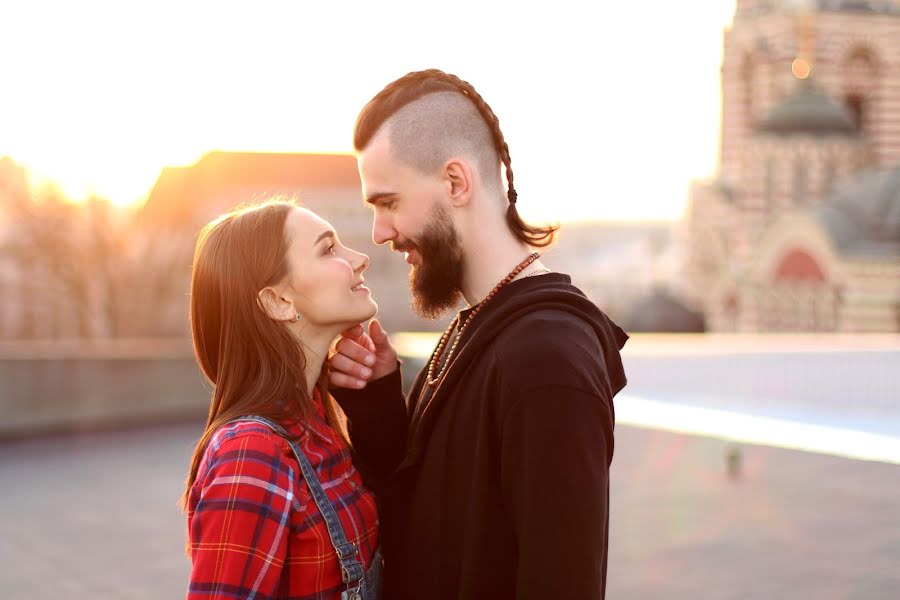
413	86
256	366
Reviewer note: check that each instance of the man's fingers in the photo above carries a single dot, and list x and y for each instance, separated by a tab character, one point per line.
370	345
352	350
380	337
342	364
345	381
348	368
358	334
376	332
354	332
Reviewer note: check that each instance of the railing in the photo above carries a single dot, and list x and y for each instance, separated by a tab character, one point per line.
848	380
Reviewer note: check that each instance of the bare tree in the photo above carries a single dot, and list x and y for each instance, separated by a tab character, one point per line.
79	269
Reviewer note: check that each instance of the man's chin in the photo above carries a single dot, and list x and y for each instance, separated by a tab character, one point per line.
433	309
434	315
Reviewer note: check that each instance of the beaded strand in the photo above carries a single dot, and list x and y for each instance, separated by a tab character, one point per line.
436	359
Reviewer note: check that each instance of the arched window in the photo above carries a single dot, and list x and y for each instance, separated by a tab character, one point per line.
730	312
769	185
748	104
799	187
860	76
828	175
856	105
799	265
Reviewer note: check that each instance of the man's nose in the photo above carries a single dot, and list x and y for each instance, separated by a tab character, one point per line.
382	231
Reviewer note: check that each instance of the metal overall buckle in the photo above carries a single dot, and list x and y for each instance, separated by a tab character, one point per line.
344	551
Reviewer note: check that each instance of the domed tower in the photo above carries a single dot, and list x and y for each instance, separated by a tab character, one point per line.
850	47
794	157
832	267
810	104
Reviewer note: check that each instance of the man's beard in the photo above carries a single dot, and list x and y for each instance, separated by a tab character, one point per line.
436	284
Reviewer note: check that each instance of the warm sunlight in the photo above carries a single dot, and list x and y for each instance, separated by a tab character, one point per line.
111	93
122	188
688	389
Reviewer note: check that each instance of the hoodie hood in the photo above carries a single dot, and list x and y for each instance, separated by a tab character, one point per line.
553	291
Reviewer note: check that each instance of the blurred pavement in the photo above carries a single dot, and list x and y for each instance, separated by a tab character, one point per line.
96	516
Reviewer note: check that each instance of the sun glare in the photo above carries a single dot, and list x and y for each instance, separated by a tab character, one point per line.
103	117
756	429
78	184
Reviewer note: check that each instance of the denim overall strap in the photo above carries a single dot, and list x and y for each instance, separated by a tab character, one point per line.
352	570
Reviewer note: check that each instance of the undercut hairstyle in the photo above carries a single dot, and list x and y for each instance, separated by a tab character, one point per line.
428	131
431	115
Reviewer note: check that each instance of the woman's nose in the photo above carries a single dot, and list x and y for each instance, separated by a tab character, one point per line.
361	263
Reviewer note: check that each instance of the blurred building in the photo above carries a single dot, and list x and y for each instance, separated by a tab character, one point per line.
620	266
800	228
58	262
661	311
89	270
184	199
14	314
617	265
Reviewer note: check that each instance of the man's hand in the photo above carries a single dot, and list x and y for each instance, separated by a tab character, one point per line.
360	357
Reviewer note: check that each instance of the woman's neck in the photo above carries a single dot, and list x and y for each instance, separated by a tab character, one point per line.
315	348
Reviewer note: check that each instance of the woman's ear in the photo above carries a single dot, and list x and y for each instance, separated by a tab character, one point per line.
274	306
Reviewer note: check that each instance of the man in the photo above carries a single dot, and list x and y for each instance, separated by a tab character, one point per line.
493	476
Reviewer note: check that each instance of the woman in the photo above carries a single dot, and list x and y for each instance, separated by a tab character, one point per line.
275	506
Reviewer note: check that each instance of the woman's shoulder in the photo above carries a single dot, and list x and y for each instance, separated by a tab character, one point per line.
247	431
246	445
246	465
246	435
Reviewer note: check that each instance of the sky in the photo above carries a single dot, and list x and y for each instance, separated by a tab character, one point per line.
609	109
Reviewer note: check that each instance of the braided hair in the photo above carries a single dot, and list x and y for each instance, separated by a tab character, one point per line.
417	84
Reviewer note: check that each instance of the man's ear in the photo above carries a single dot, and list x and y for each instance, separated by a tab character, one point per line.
274	305
458	178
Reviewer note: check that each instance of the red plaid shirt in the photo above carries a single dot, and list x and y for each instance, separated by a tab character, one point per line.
255	529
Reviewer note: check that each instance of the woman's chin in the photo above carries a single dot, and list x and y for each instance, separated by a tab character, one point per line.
362	315
373	309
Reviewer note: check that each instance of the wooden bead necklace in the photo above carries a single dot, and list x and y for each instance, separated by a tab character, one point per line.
436	359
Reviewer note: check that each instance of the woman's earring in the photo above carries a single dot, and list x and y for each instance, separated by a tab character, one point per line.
296	317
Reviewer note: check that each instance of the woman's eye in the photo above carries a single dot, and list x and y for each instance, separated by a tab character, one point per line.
329	249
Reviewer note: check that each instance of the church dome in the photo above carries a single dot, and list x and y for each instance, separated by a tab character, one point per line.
809	110
663	313
863	216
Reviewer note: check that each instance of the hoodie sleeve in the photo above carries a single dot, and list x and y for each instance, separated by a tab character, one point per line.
555	455
556	444
377	423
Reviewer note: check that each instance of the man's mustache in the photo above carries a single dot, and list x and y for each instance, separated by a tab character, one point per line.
402	247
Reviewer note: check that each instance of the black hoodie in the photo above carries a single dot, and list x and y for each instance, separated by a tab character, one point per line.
500	488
